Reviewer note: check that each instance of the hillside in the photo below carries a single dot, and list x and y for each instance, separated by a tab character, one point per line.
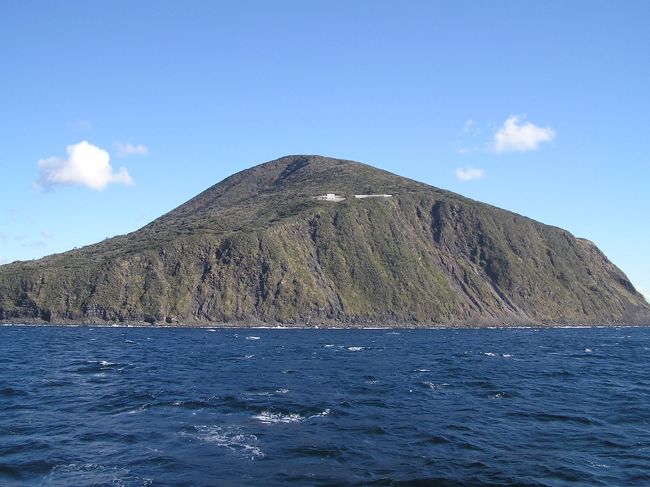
259	248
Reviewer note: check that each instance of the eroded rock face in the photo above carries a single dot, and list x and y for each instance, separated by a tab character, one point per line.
258	247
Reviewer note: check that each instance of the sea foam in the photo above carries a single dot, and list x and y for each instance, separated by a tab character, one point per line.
231	438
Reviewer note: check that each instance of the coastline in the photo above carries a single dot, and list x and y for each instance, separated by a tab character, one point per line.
328	326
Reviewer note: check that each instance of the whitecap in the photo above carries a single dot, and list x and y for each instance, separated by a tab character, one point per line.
249	356
326	412
490	354
252	394
269	417
329	346
252	338
143	407
282	390
356	349
588	350
506	355
231	438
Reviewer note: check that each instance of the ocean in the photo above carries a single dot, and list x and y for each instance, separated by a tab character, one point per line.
83	406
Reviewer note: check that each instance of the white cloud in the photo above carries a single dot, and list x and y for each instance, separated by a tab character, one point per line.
519	136
86	165
128	149
469	174
47	234
469	124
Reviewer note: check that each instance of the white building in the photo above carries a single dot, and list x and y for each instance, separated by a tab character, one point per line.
329	197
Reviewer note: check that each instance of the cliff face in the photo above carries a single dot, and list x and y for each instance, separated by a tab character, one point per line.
258	247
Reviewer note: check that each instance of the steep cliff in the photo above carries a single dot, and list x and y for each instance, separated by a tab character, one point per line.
258	247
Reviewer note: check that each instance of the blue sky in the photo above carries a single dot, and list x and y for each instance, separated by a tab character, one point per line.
542	108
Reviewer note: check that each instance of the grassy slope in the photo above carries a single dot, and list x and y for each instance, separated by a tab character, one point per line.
257	248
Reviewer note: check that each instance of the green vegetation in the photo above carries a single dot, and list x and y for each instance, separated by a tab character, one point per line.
258	248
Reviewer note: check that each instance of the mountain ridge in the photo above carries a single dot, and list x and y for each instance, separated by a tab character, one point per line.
258	247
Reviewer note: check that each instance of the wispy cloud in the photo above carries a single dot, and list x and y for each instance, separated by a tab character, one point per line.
465	174
86	165
463	151
125	149
81	125
470	138
47	234
518	136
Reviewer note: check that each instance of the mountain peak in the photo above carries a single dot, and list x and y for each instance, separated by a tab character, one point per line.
285	183
304	170
264	245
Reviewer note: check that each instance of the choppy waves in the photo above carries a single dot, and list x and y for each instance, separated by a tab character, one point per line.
328	407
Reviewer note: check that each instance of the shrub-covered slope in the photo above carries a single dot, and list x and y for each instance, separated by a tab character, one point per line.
257	247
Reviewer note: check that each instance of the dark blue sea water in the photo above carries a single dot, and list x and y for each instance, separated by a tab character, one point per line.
135	406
